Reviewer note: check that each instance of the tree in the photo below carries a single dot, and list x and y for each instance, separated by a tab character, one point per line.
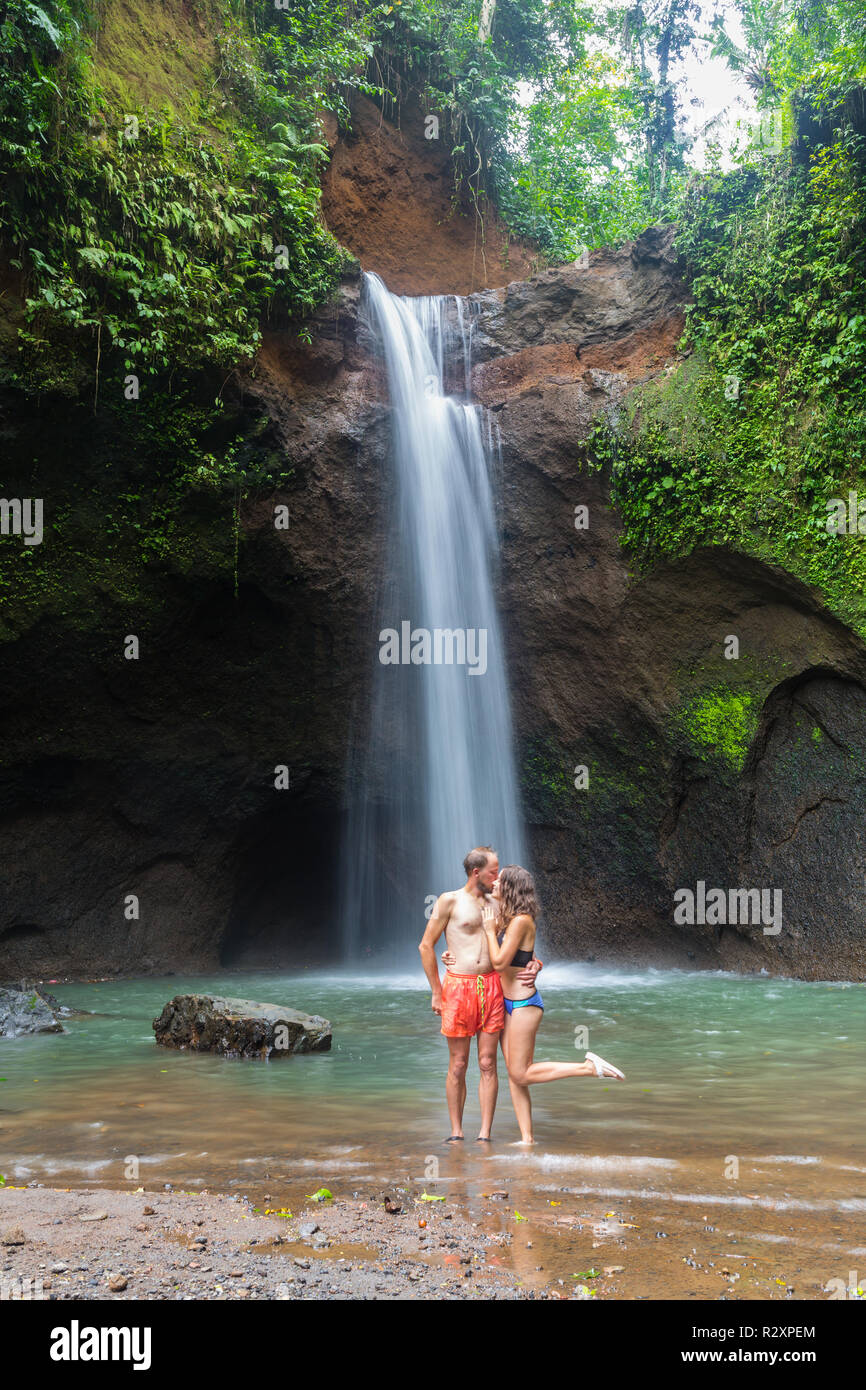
485	23
654	34
761	21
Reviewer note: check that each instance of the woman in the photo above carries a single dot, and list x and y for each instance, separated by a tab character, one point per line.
510	950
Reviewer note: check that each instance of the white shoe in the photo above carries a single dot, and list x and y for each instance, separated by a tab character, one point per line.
603	1068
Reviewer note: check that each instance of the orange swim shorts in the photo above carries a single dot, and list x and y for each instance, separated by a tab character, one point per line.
472	1004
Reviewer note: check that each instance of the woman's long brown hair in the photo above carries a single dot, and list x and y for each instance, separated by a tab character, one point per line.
517	893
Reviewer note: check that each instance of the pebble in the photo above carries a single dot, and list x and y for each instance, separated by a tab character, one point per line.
94	1216
118	1283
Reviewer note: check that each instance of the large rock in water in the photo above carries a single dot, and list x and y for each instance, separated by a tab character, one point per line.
25	1011
239	1027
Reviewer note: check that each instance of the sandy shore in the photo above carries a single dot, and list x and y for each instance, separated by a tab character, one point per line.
387	1243
154	1245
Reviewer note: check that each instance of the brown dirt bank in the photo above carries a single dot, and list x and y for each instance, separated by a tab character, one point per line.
387	195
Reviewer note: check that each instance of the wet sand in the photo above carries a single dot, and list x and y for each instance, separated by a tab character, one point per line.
118	1245
504	1243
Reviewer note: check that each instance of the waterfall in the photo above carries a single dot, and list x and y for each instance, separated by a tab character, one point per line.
432	771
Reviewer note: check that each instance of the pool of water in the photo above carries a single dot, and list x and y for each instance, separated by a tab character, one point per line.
731	1162
724	1073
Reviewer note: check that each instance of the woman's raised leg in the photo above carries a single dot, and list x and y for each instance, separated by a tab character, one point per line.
522	1070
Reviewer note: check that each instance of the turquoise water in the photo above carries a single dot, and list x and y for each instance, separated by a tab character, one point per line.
767	1071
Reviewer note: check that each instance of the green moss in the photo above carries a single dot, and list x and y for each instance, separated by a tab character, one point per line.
161	196
157	493
746	442
720	724
544	777
157	57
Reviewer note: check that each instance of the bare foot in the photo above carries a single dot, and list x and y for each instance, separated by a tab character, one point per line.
521	1143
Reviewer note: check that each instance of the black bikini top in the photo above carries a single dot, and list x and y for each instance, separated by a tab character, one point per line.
520	957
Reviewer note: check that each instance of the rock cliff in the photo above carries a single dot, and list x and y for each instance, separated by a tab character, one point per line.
155	779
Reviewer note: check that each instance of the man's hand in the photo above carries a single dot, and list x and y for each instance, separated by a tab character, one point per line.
436	1003
527	975
448	959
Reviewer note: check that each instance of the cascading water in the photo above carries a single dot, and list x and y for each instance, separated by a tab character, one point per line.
434	773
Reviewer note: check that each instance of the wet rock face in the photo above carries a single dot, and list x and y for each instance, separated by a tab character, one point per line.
239	1027
25	1011
735	774
807	802
606	308
790	821
699	767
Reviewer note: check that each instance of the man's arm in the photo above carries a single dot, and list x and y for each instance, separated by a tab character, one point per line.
527	975
427	946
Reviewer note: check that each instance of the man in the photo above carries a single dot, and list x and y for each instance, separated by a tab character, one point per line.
469	1001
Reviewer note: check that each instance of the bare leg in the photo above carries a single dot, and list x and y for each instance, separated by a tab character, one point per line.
521	1049
519	1094
556	1071
455	1085
488	1085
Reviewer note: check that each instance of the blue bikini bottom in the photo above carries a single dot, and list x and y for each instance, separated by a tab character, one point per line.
536	1001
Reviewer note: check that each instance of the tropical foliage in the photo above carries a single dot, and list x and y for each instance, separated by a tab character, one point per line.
167	236
156	238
